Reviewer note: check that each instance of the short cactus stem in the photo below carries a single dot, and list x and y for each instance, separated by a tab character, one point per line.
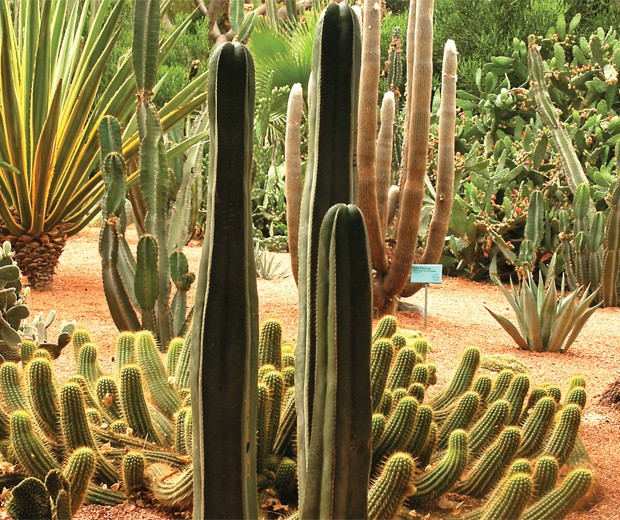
394	484
558	503
79	472
172	357
493	463
421	430
510	499
536	427
439	479
501	384
398	430
460	418
545	475
562	440
400	374
270	344
44	398
125	351
88	365
79	338
133	471
135	408
31	453
488	427
163	396
108	397
381	359
386	328
515	395
462	379
29	500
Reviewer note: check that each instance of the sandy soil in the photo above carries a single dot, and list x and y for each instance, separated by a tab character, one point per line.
457	319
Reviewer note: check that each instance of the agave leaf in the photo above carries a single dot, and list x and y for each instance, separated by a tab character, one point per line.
563	323
579	324
509	328
531	317
547	314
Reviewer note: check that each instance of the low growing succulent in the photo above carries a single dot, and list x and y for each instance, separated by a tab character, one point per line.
546	323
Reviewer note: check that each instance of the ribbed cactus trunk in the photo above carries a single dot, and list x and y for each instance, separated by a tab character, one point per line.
339	456
224	364
331	178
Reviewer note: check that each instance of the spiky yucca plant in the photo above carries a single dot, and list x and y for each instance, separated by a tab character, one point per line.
50	108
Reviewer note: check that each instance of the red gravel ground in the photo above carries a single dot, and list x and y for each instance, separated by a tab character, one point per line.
457	319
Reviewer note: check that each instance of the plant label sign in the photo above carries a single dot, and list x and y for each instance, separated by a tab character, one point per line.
426	273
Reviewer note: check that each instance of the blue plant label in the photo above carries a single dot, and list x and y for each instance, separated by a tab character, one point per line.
426	273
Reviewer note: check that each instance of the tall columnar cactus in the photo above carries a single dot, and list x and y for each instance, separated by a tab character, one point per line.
142	285
391	261
330	179
338	460
224	363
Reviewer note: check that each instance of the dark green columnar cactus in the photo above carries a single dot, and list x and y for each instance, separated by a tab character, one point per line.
30	500
330	179
224	357
394	484
339	467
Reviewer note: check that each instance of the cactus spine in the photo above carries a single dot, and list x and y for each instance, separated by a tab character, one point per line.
393	485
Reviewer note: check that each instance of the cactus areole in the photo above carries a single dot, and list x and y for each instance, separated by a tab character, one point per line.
224	365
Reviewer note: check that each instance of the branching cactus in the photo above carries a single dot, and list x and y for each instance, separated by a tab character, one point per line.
138	289
591	246
13	309
391	259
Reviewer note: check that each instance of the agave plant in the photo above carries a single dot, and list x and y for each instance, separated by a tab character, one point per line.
52	58
546	323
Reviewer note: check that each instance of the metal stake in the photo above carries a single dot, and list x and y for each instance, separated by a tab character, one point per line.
425	304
